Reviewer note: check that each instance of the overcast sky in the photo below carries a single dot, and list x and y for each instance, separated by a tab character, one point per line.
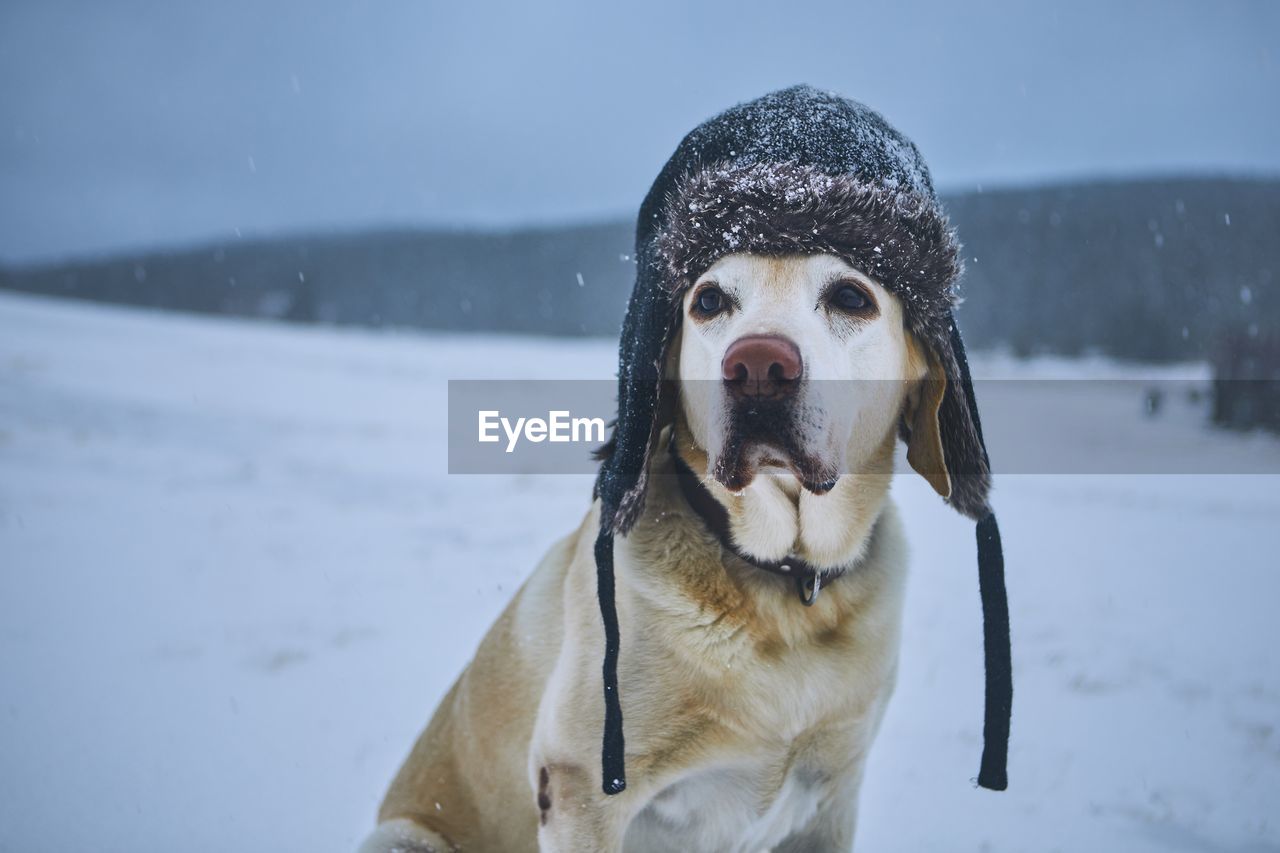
132	124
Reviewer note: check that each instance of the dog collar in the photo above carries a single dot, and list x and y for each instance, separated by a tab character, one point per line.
809	579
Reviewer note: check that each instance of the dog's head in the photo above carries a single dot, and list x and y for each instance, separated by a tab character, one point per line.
803	365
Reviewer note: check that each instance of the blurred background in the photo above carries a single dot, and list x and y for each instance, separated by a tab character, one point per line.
1112	168
245	245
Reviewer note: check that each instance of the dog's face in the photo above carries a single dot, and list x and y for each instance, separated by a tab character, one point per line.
798	364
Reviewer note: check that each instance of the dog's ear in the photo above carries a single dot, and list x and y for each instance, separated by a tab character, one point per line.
921	417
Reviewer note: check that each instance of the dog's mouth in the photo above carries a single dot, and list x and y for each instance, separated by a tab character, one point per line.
770	435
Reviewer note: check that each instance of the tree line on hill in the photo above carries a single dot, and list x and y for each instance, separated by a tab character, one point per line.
1154	269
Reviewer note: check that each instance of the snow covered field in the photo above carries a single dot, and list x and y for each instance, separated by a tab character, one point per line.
235	579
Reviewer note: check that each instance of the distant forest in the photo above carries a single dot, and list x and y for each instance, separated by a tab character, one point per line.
1152	269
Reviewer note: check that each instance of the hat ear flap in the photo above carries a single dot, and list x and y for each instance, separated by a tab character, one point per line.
925	451
646	403
632	502
960	430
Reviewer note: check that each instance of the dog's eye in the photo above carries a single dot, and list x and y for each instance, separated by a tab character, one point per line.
709	302
851	298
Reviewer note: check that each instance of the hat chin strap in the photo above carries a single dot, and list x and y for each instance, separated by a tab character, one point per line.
993	771
613	751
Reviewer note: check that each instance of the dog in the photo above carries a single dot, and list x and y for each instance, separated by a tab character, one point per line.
791	320
749	715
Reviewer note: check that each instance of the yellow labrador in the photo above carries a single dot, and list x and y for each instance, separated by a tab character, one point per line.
749	716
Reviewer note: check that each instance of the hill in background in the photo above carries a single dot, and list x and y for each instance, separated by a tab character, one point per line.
1158	269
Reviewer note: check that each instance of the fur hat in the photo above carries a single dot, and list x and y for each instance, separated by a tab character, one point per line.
797	171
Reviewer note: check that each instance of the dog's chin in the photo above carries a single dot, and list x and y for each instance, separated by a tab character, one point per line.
736	468
772	437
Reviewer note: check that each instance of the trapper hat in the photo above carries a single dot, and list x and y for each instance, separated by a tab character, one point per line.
798	171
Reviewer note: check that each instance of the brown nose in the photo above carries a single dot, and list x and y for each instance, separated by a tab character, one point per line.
762	366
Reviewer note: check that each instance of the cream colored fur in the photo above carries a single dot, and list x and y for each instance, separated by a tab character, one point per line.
748	716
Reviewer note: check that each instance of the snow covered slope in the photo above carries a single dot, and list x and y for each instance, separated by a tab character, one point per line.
235	579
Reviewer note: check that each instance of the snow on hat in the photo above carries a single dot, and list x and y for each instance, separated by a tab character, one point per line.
797	171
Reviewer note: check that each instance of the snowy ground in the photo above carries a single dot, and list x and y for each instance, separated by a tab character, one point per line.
235	579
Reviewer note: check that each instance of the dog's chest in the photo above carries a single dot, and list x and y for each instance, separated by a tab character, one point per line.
734	810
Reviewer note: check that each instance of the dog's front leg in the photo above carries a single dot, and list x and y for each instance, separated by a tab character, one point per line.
830	833
831	830
575	815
